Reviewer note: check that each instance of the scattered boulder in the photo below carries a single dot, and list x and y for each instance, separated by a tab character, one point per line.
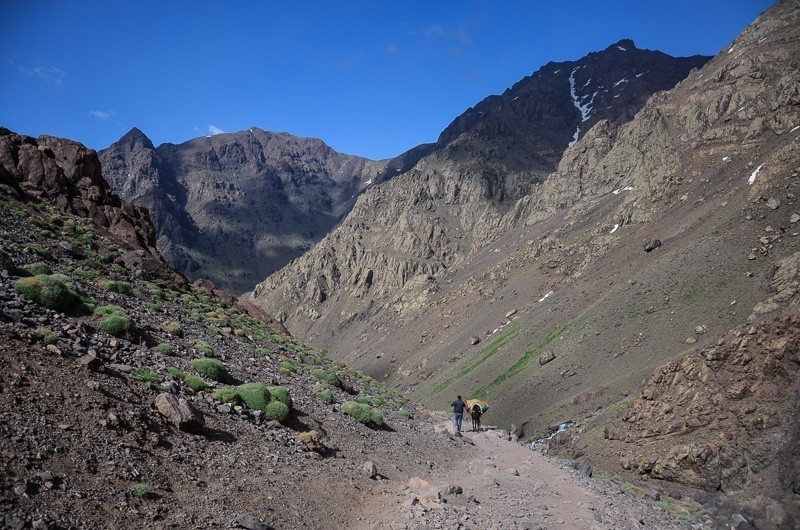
652	245
180	413
474	340
250	522
313	441
91	362
547	356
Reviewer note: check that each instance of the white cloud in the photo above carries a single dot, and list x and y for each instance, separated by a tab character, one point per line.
49	74
102	115
213	129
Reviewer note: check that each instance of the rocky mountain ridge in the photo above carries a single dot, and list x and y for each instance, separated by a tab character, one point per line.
452	202
234	207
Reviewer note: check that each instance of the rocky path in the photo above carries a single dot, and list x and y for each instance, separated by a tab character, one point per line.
502	484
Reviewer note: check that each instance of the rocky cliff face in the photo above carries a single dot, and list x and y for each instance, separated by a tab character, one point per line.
451	204
68	174
235	207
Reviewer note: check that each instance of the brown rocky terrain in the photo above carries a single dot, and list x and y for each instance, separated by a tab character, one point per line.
652	240
232	208
118	426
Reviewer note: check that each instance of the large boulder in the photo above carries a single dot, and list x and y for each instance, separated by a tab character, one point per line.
180	413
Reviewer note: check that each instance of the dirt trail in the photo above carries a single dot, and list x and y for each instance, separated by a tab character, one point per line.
502	484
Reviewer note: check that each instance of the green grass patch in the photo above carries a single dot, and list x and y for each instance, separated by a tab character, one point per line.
50	291
485	354
115	321
520	364
164	349
146	376
326	376
117	287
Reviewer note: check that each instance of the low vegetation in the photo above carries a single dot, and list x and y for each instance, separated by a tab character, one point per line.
363	413
212	369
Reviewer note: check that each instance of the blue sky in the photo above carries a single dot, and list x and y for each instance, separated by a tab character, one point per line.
369	78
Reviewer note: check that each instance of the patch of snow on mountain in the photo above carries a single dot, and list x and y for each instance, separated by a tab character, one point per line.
614	229
367	183
753	175
726	159
623	80
731	49
542	299
793	130
621	48
640	75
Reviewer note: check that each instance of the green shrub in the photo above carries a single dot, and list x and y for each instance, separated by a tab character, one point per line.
280	393
228	394
38	268
212	369
205	348
276	410
288	366
164	349
403	412
323	392
84	274
49	291
146	376
120	326
195	383
117	287
141	490
176	373
106	310
7	263
255	395
365	400
41	252
48	337
173	328
363	413
377	402
326	376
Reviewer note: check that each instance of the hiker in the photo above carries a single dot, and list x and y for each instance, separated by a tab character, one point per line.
475	411
458	408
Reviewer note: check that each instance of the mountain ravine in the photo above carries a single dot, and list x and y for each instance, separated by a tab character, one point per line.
557	295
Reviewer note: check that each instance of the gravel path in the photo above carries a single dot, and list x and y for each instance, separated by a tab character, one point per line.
502	484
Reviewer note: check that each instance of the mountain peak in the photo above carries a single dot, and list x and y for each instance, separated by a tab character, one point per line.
136	137
624	45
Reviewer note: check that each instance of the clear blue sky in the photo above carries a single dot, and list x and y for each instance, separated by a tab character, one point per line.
371	78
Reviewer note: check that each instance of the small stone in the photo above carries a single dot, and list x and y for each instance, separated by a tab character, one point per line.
511	313
21	489
91	362
250	522
773	204
369	469
654	495
794	218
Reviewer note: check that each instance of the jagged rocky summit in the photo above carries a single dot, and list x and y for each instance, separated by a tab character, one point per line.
232	208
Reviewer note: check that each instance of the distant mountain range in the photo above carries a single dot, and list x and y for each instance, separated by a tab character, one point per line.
235	208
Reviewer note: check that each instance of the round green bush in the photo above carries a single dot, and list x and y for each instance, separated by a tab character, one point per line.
228	394
38	268
48	291
164	349
195	383
173	328
323	392
280	393
363	413
204	348
255	395
276	410
324	375
118	325
117	287
212	369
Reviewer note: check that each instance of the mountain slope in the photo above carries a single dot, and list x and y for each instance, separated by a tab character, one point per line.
563	314
452	202
235	207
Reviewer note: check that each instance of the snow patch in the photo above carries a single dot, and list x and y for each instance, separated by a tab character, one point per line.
623	80
793	130
618	191
753	175
730	50
614	229
621	48
584	108
545	297
726	159
367	183
640	75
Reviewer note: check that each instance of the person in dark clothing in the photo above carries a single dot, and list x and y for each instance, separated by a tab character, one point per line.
458	408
